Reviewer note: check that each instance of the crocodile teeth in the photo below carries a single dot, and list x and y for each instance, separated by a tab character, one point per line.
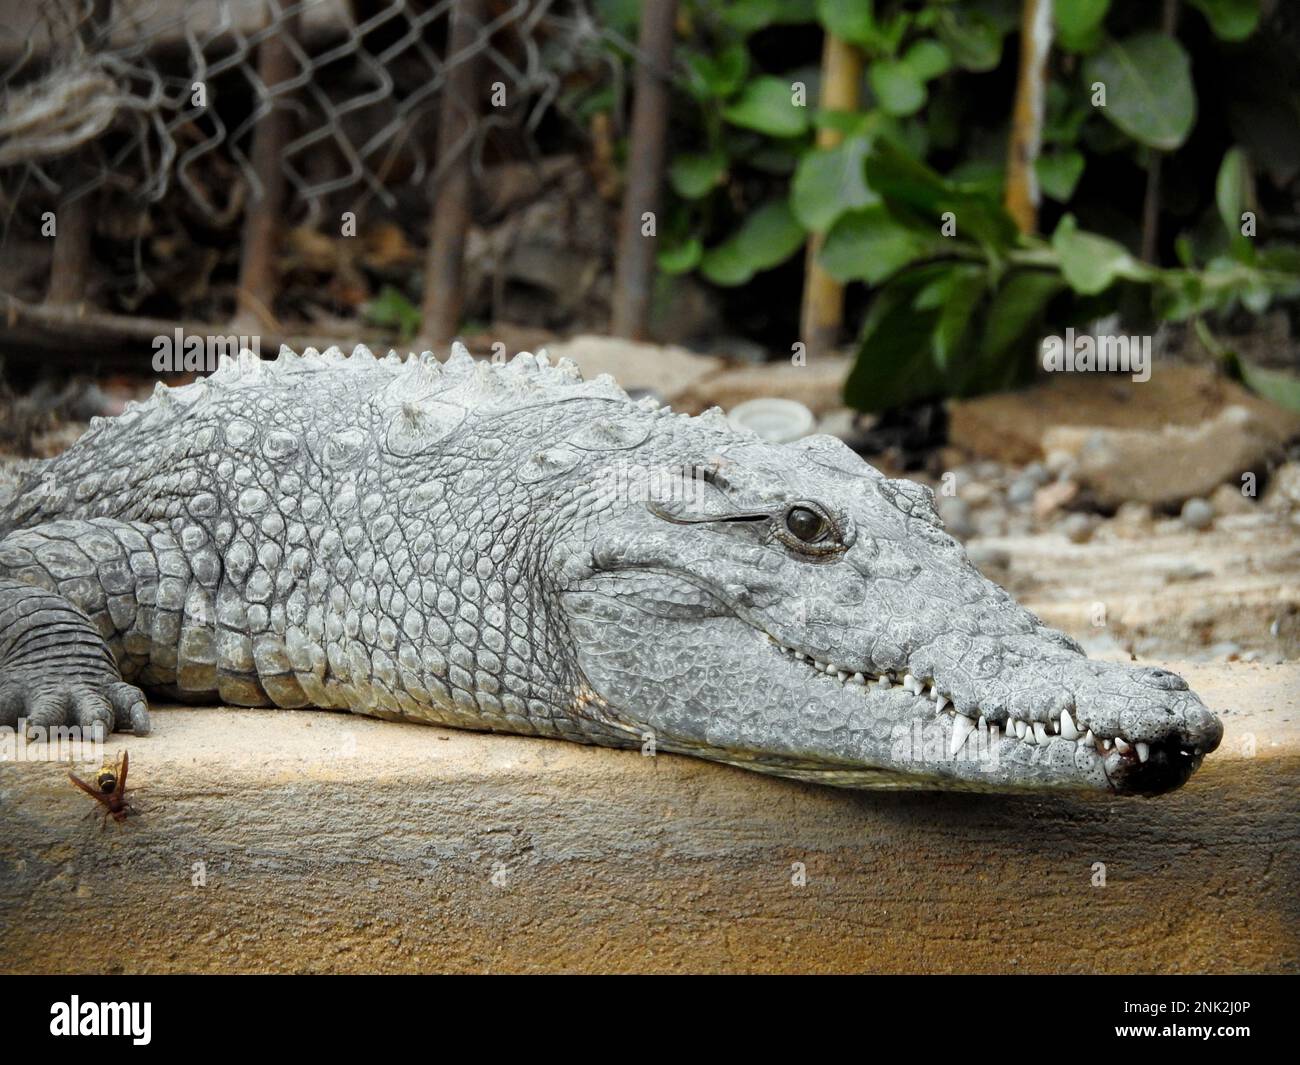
962	727
858	678
940	701
1121	745
1088	737
841	676
1068	729
1020	729
884	682
1105	745
1040	733
1143	750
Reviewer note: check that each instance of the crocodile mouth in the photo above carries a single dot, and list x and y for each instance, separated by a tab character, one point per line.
1142	766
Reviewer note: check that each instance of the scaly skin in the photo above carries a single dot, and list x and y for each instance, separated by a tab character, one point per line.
511	548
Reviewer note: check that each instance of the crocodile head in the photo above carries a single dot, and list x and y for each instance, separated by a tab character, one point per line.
788	609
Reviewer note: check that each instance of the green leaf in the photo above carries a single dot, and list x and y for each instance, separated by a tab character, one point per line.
681	259
1078	23
1018	308
392	310
749	16
1231	189
972	37
769	236
897	87
855	21
869	245
919	196
1059	173
696	174
895	364
967	286
718	76
928	59
1149	92
1092	263
767	105
1231	20
829	182
1280	386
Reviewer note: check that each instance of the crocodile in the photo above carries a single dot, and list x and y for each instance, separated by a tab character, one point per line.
507	547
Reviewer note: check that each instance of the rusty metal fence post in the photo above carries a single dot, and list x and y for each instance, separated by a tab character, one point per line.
264	221
450	190
635	270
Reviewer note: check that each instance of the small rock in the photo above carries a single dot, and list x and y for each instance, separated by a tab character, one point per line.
1052	497
1078	528
1229	499
1283	492
1136	515
1197	514
1060	463
1037	474
1021	492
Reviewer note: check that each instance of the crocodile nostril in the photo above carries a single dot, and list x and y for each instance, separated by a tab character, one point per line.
1160	678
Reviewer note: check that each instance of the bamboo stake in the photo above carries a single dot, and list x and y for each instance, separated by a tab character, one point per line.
822	315
1022	196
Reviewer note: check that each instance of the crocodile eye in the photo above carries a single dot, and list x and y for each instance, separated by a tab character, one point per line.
806	525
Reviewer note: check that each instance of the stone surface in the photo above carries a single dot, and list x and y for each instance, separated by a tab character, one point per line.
670	371
1010	426
1169	465
818	385
333	843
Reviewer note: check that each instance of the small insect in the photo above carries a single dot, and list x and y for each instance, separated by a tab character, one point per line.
110	790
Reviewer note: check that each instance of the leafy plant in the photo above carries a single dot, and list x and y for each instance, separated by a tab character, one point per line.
959	299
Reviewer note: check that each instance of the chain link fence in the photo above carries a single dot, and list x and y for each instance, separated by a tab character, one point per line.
152	97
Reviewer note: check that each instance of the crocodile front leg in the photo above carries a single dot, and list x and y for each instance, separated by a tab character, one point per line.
56	669
90	604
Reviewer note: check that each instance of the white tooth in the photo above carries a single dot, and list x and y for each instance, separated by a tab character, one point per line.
841	676
801	656
908	681
1021	728
858	678
1040	733
884	683
961	728
1067	726
940	701
1105	745
1143	750
1088	737
1121	745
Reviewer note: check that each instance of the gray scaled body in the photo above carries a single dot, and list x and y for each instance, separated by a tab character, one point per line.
508	547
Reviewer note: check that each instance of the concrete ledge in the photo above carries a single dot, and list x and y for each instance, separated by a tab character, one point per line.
332	843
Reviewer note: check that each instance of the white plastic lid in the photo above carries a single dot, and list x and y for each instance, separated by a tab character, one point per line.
777	420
